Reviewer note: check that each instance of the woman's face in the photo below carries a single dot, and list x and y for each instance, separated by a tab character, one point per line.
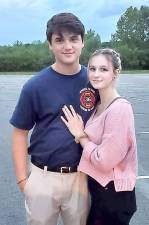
101	72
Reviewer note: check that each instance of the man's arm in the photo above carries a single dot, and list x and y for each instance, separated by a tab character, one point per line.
20	152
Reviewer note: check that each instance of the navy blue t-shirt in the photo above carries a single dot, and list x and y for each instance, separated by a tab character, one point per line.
40	107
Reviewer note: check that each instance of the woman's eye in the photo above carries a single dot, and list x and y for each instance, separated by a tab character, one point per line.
92	69
104	69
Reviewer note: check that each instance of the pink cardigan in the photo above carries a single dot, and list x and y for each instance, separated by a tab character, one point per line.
111	153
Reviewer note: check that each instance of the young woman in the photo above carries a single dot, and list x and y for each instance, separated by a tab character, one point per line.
109	144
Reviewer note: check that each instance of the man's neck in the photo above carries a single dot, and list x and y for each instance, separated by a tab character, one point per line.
66	69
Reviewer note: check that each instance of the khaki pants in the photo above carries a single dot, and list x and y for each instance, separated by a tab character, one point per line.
50	194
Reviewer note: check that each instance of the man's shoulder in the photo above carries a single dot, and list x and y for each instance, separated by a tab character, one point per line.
37	79
84	69
41	75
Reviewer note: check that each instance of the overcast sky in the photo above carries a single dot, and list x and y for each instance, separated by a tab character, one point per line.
25	20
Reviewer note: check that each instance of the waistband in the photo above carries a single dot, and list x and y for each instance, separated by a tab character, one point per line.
63	169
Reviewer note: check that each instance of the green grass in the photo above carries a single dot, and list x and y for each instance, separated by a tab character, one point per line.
135	71
18	73
34	72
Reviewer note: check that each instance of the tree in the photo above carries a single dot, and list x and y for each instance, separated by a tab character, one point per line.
92	42
144	17
133	27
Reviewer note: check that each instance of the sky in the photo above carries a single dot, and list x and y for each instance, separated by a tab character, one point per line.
25	20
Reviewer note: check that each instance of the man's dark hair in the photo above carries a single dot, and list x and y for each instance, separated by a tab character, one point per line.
64	22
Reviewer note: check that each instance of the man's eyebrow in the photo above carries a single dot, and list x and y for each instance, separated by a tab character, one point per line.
58	35
75	35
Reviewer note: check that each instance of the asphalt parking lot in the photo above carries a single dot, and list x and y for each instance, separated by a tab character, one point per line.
134	87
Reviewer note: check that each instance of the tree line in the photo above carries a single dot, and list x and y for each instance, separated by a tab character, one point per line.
131	40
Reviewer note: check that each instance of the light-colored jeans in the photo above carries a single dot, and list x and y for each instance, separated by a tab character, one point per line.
50	194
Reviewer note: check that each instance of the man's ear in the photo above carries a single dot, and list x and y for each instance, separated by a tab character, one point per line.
49	44
83	44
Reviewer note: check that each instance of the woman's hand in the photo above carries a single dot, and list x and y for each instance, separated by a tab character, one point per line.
73	121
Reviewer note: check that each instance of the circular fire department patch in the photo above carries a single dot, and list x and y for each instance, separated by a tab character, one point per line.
87	99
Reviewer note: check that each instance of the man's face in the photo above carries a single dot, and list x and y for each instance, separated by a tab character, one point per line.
66	47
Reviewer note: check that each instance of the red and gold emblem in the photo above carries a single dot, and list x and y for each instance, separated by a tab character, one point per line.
87	99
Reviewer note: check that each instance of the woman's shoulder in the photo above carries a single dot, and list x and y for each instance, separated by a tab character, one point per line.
122	102
120	106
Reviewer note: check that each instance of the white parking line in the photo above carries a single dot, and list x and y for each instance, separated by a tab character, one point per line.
142	177
143	132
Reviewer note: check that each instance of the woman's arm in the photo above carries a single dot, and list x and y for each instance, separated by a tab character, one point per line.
116	139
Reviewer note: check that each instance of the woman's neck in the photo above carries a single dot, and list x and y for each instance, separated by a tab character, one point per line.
107	96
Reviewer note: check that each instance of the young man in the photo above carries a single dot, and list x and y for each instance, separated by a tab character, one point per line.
54	186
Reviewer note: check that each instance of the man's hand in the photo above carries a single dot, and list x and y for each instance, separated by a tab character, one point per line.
22	184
